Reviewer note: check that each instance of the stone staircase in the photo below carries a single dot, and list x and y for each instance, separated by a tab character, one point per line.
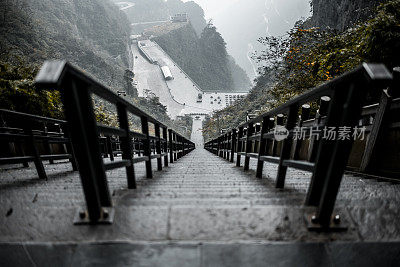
200	211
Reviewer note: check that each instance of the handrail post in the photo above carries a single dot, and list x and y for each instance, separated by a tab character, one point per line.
219	146
305	115
46	143
286	146
175	142
233	143
223	139
37	161
263	146
228	145
126	145
70	150
322	111
110	148
180	147
333	155
183	147
84	137
165	146
250	130
239	146
158	146
379	126
146	146
275	143
171	146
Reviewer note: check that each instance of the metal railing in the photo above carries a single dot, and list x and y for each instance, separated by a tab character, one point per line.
26	135
76	89
340	103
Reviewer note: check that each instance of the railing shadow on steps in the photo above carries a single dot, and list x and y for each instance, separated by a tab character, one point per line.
76	90
340	104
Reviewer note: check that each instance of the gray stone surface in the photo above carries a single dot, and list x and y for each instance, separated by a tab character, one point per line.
200	197
200	211
14	255
205	254
364	254
311	254
136	255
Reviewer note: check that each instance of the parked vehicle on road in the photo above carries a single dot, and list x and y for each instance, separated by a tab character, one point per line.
167	73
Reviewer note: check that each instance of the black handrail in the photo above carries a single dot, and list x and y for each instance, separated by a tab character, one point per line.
340	102
26	131
76	88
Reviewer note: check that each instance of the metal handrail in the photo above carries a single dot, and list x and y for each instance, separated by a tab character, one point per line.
340	105
76	88
28	135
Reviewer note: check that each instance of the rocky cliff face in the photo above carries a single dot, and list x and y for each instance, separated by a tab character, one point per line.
205	59
341	14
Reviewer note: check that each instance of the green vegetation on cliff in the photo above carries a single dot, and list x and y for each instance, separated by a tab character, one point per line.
309	57
91	34
17	92
205	59
341	14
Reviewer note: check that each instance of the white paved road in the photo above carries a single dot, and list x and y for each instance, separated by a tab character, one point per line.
182	88
149	77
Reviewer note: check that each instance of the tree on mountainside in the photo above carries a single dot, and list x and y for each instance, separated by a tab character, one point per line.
213	48
91	34
204	59
307	57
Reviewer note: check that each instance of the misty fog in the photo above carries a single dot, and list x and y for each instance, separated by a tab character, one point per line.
242	22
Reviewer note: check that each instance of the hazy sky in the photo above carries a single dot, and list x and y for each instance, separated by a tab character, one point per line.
242	22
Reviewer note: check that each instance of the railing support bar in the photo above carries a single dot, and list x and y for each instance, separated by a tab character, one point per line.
126	146
286	146
146	146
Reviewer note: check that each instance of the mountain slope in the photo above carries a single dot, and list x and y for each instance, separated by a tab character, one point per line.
204	59
91	34
242	22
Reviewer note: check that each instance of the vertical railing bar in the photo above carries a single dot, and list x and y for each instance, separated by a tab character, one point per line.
126	145
110	148
146	146
165	146
158	146
233	143
263	146
76	105
249	132
36	156
239	146
171	146
286	146
175	138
